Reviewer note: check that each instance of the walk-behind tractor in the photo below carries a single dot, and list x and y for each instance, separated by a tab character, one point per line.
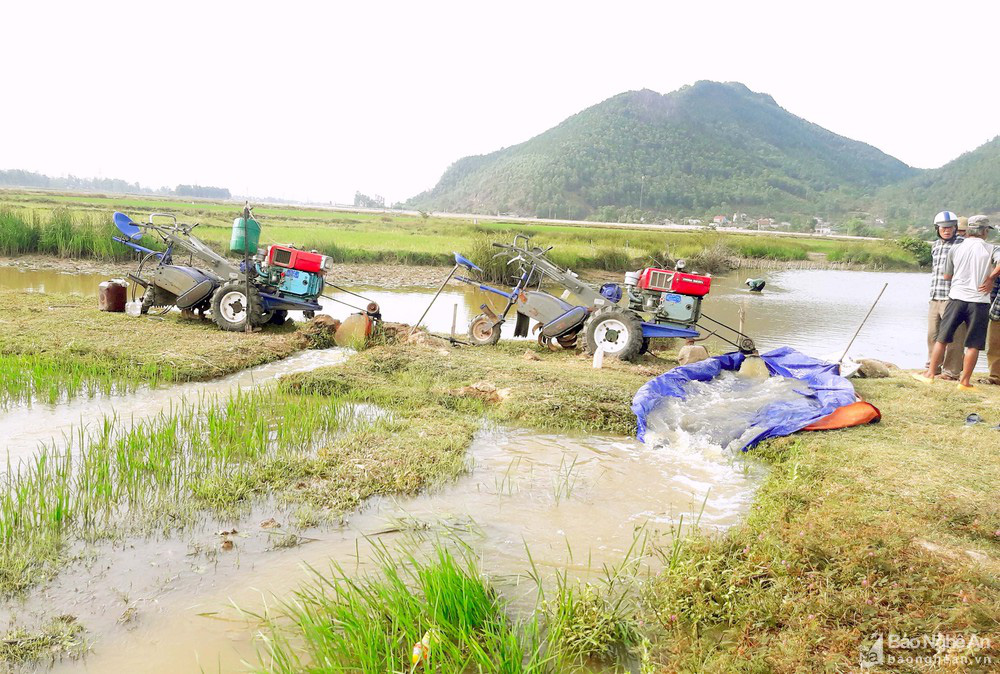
659	303
281	279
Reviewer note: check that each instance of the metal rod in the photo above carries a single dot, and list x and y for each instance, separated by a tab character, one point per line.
423	315
345	290
858	331
334	299
454	319
248	325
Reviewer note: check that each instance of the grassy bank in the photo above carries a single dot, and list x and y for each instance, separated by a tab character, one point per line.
892	528
57	345
413	239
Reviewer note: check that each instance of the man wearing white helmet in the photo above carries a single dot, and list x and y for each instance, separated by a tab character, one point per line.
946	224
971	267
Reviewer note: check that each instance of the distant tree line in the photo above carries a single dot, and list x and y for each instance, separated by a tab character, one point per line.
202	192
365	201
30	179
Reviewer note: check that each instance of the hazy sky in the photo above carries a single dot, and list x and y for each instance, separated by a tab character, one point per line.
317	100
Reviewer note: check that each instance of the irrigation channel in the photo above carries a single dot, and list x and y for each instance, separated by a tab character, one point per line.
165	603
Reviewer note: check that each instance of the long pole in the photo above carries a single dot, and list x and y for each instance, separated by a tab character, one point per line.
247	326
856	332
448	278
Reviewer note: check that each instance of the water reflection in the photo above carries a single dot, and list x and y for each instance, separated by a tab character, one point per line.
814	311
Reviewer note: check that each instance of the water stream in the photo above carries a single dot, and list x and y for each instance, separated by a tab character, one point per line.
576	502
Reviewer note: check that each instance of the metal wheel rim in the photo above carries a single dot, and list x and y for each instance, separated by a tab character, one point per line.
482	329
616	340
226	306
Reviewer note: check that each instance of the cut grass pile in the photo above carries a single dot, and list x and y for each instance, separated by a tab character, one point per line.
412	239
60	345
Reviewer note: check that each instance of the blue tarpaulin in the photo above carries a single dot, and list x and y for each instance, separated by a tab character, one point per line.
829	390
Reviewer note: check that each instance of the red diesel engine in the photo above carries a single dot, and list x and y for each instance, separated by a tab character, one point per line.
673	296
301	260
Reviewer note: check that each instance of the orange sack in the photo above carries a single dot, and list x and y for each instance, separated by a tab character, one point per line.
855	414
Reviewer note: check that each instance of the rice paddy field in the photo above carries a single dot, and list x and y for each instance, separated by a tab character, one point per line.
887	529
79	226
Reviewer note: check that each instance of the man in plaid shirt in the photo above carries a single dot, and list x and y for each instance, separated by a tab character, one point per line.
946	223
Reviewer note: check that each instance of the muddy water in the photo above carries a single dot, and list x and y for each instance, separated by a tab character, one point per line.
24	428
814	311
166	606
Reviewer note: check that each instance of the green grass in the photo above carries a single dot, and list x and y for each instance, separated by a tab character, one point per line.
412	239
443	608
55	346
60	637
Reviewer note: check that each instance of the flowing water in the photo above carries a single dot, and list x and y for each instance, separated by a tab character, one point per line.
724	413
576	502
26	427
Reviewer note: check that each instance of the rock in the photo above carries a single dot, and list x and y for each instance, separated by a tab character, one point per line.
692	353
531	355
484	391
873	369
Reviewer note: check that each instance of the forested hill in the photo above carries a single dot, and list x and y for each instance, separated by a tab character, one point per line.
707	147
969	184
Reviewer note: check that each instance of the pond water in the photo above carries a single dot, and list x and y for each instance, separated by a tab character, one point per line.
815	311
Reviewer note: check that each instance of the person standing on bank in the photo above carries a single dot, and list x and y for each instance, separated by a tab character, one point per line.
993	332
946	224
971	266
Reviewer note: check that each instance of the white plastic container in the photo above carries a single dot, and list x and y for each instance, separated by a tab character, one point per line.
133	308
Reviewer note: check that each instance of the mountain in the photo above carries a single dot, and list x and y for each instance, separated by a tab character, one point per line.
968	185
706	147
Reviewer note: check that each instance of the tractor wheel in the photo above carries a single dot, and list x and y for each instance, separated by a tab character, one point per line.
645	346
230	304
483	332
618	330
278	317
309	315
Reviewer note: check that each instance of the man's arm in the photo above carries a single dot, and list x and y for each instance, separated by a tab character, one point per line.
987	284
949	265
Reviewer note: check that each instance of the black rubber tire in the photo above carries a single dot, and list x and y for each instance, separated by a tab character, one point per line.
255	312
309	315
278	317
630	324
645	346
482	331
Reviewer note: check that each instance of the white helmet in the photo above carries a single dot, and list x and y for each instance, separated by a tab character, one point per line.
946	219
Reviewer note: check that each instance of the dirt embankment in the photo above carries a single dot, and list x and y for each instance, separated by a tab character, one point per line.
346	274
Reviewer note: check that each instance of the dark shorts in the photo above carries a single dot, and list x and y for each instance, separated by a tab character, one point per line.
973	314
